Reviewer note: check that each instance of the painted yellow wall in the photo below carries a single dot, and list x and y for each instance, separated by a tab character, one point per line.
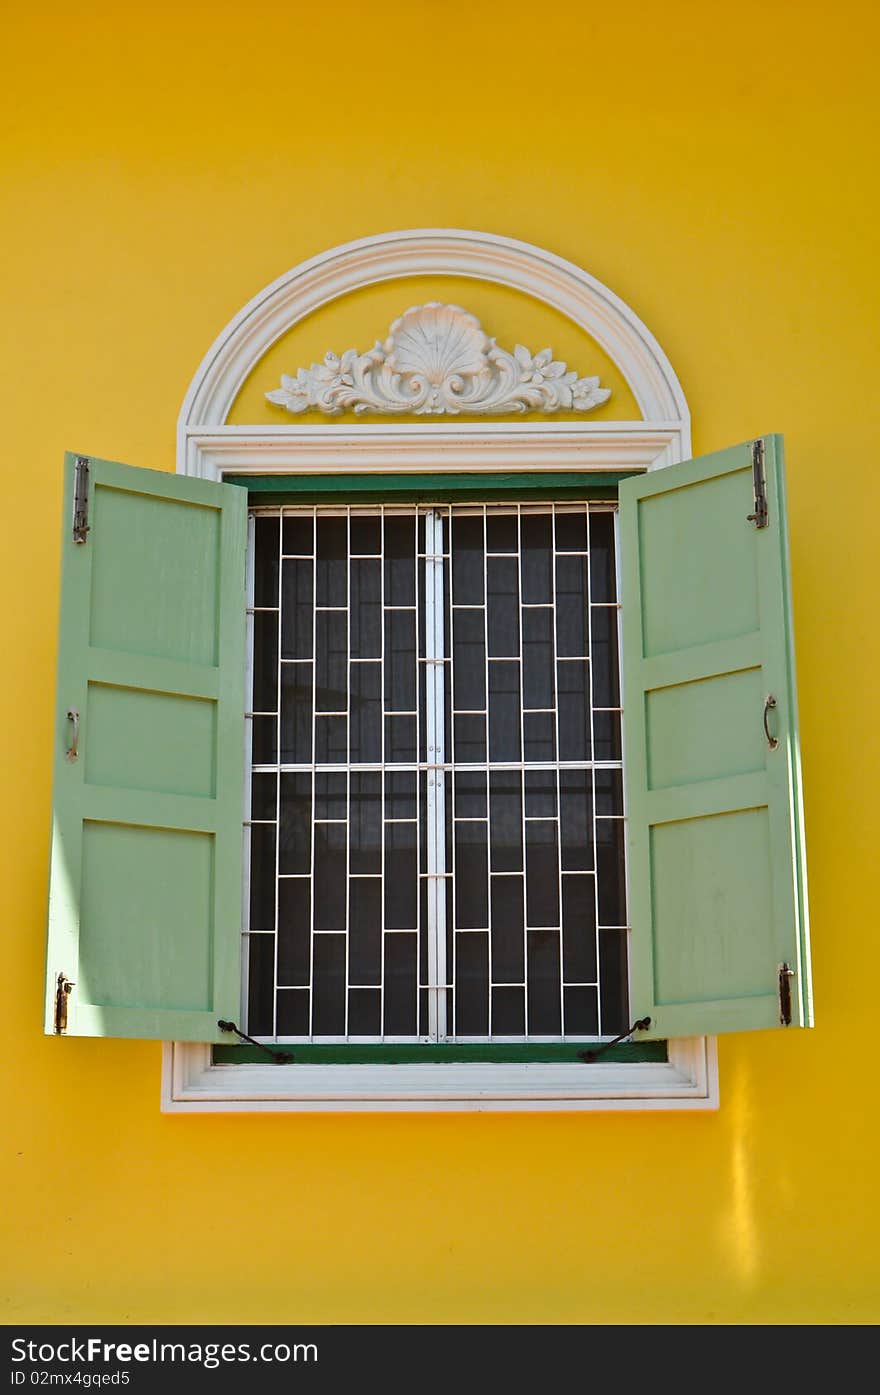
715	166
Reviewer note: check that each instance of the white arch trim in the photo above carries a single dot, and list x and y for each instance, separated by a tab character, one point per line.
433	252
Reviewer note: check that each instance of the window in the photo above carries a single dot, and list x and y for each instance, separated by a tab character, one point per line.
147	867
145	913
436	835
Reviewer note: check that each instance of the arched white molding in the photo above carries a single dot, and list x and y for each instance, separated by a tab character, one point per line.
434	252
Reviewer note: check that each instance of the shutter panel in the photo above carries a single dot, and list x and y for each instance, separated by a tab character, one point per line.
145	881
717	874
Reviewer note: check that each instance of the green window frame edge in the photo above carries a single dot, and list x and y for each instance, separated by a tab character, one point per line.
522	486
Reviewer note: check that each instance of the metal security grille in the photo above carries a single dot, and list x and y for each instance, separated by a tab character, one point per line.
434	838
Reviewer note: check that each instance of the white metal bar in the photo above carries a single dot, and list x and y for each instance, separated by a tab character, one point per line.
553	555
277	887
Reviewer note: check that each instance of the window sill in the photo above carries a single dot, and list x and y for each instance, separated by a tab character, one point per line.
192	1084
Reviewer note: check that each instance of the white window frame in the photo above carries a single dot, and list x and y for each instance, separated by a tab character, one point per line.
211	449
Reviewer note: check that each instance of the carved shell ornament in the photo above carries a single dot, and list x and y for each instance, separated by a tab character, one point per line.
438	361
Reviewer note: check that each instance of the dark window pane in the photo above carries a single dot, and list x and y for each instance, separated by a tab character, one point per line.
609	791
401	985
611	871
472	985
574	712
471	872
264	749
297	610
366	535
581	1011
602	581
266	541
364	1012
331	571
502	606
501	532
470	738
263	794
331	795
571	532
508	1012
538	685
539	736
331	661
366	609
299	534
400	561
262	898
329	876
504	711
365	930
265	696
295	850
576	820
331	740
401	877
606	684
468	660
296	714
541	794
293	1012
612	981
400	660
508	947
365	821
572	633
261	985
537	541
366	713
505	820
400	794
328	993
467	560
400	740
294	931
470	794
606	736
578	929
542	874
543	968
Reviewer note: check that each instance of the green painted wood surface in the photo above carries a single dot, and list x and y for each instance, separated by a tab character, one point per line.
365	1054
145	883
430	488
716	852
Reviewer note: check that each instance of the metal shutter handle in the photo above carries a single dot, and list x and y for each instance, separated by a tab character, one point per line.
72	750
769	705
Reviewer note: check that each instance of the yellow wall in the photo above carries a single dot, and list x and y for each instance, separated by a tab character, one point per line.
714	166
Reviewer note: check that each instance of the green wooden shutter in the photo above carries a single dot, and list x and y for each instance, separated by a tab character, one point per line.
717	875
145	883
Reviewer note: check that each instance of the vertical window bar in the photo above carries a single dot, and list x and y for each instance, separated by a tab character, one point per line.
278	753
384	725
597	932
522	748
553	555
436	788
314	670
345	986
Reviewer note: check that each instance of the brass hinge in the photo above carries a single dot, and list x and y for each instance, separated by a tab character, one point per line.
81	499
785	977
63	986
760	517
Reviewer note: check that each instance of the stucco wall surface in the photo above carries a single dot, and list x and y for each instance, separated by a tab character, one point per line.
714	165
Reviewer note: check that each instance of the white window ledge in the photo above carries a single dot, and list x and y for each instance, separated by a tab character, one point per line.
191	1084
